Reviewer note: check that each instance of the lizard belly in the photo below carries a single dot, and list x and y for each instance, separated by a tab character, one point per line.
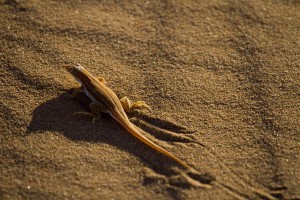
86	92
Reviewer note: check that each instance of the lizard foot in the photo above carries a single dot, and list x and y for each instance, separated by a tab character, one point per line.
83	114
134	107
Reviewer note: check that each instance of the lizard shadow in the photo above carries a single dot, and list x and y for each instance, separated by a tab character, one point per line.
56	115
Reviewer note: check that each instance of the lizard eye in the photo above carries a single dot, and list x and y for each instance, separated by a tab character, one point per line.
69	68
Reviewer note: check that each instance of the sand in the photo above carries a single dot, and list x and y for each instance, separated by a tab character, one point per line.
221	77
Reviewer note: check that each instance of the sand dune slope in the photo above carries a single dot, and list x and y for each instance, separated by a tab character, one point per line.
222	78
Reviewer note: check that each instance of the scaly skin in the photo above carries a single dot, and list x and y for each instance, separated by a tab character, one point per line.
107	101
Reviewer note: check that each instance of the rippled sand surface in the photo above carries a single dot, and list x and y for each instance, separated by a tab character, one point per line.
221	77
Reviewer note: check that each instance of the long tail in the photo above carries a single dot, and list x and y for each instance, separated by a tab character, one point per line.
130	128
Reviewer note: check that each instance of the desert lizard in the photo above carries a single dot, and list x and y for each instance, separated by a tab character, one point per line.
105	100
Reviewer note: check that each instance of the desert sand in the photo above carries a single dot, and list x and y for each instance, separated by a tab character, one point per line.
221	77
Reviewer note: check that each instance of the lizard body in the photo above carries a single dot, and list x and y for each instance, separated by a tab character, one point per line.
105	100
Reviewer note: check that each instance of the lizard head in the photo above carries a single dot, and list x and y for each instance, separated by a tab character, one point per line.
81	75
78	72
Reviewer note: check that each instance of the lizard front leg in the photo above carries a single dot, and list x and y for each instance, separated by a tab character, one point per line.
76	91
95	114
134	107
102	80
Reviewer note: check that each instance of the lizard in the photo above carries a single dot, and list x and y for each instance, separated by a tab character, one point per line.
106	101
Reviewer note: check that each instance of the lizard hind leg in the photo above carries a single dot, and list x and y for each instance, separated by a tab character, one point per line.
134	107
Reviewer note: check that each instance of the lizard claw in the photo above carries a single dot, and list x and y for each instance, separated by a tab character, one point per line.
83	114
